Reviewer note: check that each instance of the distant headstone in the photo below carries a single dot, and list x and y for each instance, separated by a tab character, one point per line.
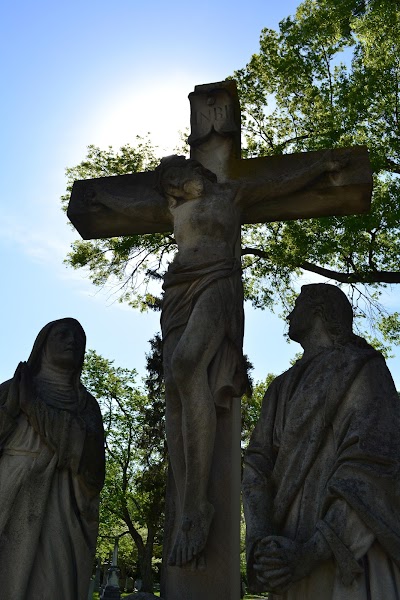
91	589
129	584
112	590
138	584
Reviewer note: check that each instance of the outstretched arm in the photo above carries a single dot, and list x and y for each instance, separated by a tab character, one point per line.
303	185
119	205
291	180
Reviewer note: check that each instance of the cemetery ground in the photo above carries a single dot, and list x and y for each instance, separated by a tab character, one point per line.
246	597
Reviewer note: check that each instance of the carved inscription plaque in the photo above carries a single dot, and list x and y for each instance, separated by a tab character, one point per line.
214	108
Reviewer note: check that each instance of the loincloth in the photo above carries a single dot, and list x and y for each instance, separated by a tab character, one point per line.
183	285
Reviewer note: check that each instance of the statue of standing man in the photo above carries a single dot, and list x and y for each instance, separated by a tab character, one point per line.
322	470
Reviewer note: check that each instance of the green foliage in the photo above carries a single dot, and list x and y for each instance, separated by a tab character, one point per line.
251	408
127	264
132	500
328	78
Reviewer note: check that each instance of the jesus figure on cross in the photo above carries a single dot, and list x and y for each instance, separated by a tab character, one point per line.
202	319
204	202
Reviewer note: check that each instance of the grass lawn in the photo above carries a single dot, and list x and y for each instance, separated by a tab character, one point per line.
247	596
96	596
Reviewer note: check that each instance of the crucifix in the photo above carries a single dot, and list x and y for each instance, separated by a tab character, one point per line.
204	200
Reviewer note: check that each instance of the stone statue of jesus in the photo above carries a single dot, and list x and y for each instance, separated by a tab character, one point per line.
202	317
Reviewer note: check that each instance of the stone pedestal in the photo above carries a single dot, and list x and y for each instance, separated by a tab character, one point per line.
112	591
220	580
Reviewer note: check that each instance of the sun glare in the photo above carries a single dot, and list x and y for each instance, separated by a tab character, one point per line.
160	109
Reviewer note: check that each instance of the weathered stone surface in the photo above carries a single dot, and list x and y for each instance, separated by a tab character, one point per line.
111	593
321	473
51	471
202	319
204	201
330	182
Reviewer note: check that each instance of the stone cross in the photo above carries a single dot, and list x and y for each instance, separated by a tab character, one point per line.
111	590
204	201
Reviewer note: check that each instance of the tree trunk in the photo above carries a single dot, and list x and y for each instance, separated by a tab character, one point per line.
146	573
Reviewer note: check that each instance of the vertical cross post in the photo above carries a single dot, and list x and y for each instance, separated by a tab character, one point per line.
215	143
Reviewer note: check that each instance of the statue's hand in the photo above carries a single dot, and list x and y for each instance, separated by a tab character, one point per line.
279	562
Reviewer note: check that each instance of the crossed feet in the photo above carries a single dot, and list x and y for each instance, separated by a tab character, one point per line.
192	537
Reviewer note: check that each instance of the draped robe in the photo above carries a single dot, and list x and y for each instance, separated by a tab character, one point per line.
325	455
51	473
183	287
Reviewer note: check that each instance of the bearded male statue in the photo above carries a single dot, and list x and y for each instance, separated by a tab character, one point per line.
321	479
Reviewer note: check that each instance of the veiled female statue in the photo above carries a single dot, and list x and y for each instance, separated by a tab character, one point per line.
51	471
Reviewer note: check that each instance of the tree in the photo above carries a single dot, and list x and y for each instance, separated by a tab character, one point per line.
128	263
297	96
329	77
133	497
251	408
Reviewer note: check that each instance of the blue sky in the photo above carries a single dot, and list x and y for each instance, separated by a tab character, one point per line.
81	73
